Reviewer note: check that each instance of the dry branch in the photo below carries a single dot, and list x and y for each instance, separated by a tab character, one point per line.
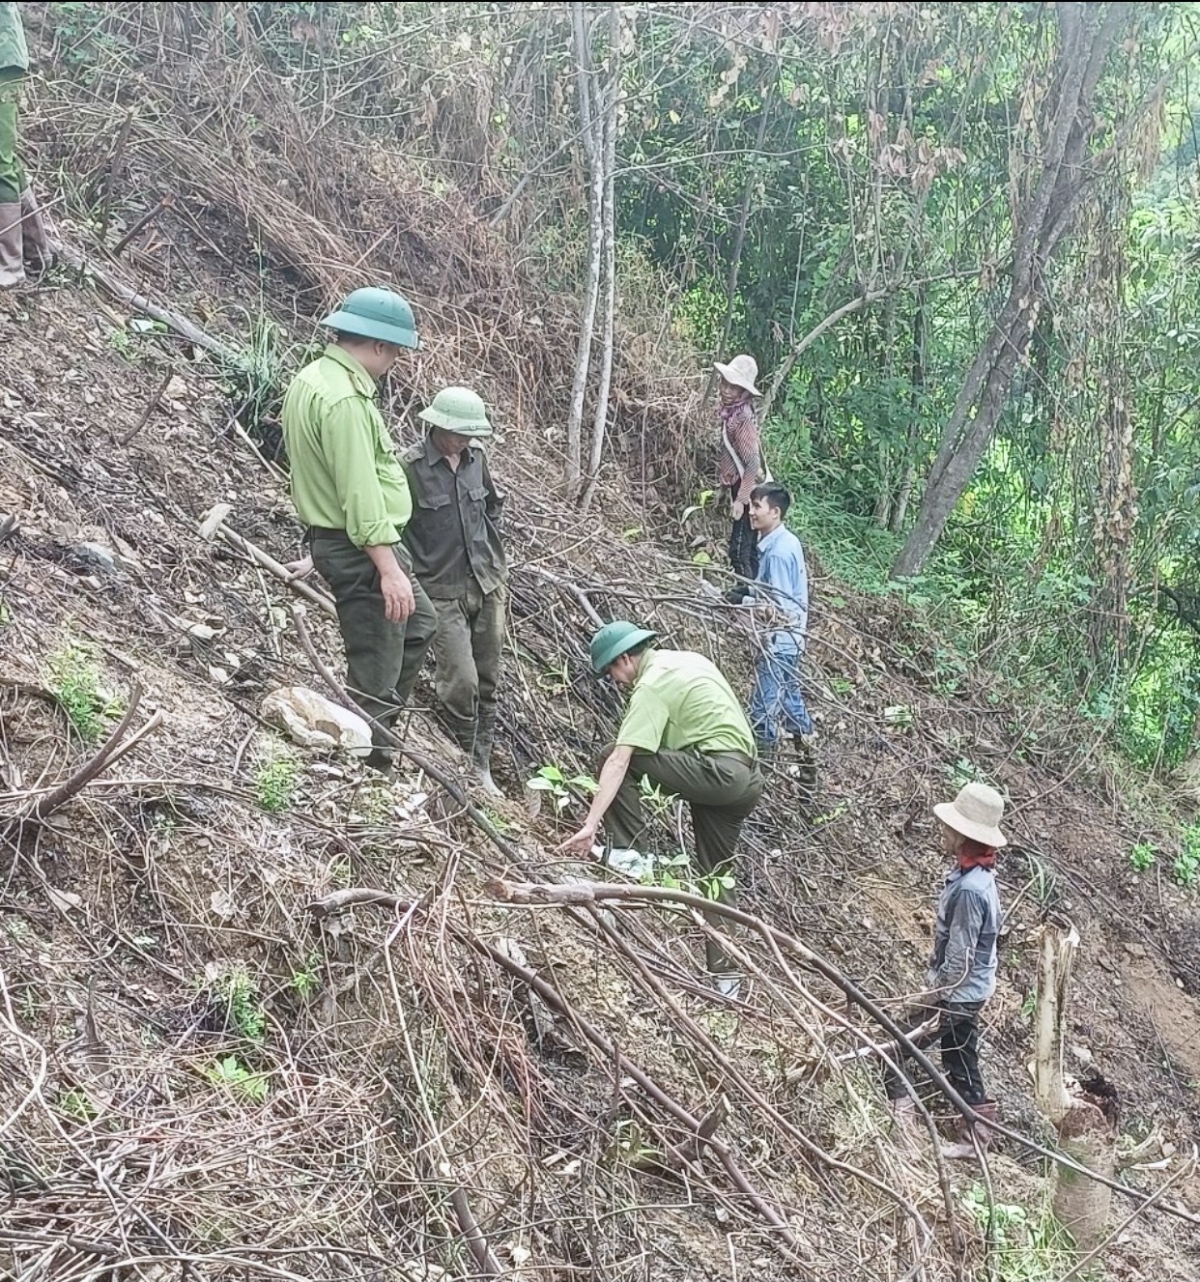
581	893
607	1051
139	302
111	751
214	526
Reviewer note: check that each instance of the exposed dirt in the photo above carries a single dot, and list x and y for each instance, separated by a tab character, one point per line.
398	1064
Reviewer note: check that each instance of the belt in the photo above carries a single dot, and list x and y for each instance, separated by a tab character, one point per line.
326	531
744	757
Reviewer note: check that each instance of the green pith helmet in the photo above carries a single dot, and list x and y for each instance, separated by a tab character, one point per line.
458	410
379	313
615	639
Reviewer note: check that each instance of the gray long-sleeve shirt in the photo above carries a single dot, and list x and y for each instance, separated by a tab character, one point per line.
963	965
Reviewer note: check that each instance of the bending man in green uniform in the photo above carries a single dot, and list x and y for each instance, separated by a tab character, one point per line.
352	494
22	233
454	539
685	731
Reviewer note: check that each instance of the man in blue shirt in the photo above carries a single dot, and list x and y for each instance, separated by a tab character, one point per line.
780	603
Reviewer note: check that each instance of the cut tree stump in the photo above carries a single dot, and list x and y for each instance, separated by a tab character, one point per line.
1085	1114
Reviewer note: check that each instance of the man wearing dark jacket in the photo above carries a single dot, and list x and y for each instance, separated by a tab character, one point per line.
454	541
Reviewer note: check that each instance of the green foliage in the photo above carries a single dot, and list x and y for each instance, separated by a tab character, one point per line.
77	1103
964	771
275	780
230	1072
655	798
1028	1248
1142	856
1186	868
255	377
307	979
667	872
550	779
238	994
74	680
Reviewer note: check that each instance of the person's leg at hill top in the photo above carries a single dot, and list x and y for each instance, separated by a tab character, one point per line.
467	650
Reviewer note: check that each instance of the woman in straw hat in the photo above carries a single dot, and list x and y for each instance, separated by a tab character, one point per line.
741	467
962	968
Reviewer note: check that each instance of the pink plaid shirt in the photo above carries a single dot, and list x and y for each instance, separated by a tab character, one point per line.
741	424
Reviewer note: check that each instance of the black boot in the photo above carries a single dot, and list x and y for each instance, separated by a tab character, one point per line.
806	774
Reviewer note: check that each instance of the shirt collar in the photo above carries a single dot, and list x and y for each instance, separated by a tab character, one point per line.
770	539
643	667
362	380
434	456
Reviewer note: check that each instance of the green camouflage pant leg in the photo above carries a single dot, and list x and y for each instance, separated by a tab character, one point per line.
382	658
12	174
467	650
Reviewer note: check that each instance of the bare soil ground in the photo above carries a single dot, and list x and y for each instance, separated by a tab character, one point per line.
393	1067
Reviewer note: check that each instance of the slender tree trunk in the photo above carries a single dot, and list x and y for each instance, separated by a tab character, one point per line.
587	321
1086	36
739	242
913	442
608	153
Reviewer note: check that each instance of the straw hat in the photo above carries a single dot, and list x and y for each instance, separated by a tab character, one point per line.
976	813
741	372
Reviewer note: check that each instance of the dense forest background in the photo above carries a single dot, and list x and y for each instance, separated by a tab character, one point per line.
961	241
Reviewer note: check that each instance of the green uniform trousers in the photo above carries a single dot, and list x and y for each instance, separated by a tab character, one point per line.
721	789
467	650
12	174
382	658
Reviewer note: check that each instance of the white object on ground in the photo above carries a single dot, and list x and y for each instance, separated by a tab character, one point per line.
729	985
631	862
314	721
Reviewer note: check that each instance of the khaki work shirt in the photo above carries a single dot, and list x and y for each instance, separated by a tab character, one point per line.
454	533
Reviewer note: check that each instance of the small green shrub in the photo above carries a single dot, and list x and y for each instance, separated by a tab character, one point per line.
307	979
1028	1248
658	801
275	781
238	993
552	780
1142	857
243	1081
1186	868
78	1105
74	681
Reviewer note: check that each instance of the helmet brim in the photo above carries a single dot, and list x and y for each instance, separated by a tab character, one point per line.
622	645
452	423
363	327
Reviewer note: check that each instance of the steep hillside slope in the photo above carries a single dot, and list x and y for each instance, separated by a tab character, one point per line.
215	1057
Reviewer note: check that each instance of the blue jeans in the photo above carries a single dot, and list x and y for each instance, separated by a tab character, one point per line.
777	697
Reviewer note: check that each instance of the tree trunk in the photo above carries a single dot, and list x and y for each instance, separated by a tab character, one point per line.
1086	1118
608	157
587	322
913	442
1086	36
739	243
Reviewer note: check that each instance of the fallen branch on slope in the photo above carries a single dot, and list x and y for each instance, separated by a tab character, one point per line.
607	1051
581	893
109	752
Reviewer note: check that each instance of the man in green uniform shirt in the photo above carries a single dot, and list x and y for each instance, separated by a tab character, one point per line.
454	539
23	238
685	731
352	494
